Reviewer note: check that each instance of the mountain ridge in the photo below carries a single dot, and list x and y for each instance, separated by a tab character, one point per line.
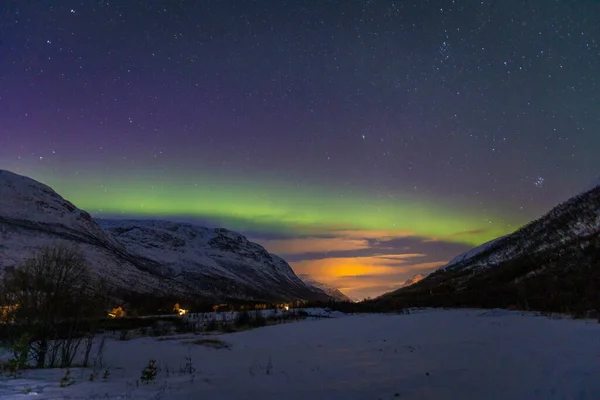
551	263
227	265
331	291
412	280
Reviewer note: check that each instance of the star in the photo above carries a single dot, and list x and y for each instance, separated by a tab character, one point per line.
539	182
260	117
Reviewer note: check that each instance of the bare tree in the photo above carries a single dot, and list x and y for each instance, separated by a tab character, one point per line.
51	293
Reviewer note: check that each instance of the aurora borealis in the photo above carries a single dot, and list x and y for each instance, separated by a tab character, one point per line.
363	141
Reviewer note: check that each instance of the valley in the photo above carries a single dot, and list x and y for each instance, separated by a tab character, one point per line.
491	354
299	200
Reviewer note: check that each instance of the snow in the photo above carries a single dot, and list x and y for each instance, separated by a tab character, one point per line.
189	251
328	289
25	199
146	256
181	245
472	253
431	354
200	320
577	217
412	280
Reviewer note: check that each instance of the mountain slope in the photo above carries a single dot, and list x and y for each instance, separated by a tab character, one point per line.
552	263
153	257
335	293
216	261
33	215
415	279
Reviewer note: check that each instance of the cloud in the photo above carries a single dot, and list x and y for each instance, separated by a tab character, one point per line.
293	246
363	262
365	268
366	263
327	268
407	268
369	281
366	274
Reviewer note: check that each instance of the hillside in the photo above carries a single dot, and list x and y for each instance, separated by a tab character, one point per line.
329	290
146	257
215	261
552	263
414	279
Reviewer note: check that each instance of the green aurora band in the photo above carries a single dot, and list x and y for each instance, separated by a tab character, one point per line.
276	207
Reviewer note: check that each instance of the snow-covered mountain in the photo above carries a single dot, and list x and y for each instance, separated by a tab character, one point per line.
216	261
472	253
415	279
329	290
33	215
574	219
156	257
552	262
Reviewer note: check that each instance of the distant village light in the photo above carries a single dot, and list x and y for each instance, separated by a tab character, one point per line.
6	311
177	308
117	312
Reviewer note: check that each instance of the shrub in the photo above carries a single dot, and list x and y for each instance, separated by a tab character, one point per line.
243	319
214	343
188	368
259	319
212	325
67	380
149	372
20	349
124	335
50	296
162	328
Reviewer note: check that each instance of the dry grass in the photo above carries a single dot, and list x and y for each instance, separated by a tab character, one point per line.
211	342
176	337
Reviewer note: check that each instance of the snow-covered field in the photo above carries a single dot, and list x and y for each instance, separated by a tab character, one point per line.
431	354
201	320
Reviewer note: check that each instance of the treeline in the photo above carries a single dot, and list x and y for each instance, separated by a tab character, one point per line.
49	307
52	308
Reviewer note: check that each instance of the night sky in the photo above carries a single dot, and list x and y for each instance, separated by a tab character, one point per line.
364	141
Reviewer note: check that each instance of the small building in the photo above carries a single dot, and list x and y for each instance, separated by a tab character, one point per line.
5	312
116	312
181	311
221	307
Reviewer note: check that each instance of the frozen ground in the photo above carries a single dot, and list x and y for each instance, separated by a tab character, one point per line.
457	354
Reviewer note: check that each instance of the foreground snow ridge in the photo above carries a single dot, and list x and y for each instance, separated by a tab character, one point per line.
431	354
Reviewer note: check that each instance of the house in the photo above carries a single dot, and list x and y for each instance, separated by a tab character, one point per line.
5	312
117	312
181	311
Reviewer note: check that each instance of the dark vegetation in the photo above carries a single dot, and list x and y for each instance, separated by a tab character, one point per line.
52	311
212	342
550	265
566	280
150	304
58	306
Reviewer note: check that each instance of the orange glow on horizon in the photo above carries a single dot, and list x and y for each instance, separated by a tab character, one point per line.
336	263
360	277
